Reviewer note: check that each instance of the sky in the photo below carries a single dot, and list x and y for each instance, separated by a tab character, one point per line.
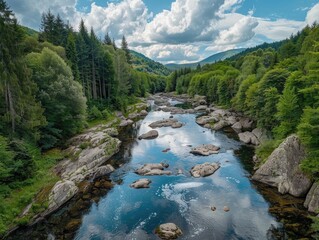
179	31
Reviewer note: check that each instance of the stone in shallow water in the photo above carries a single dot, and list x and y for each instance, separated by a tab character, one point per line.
168	231
205	150
226	209
141	183
150	169
149	135
205	169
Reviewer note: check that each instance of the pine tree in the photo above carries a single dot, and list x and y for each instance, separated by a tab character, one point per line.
47	27
72	55
114	44
124	47
20	113
107	39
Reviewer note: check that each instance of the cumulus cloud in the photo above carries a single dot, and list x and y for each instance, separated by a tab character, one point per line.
188	31
187	21
170	52
29	13
241	31
279	29
313	15
125	18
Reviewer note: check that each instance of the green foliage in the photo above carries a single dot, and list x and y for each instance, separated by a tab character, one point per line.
287	114
60	95
142	63
95	113
308	131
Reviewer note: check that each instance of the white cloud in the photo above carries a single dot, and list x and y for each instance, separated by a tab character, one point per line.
29	13
241	31
313	15
124	18
279	29
186	21
189	31
170	52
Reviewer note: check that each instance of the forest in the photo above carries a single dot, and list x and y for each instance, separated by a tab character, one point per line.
275	84
54	83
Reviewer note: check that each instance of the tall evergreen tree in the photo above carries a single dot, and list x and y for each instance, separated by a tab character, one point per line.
47	27
72	55
124	47
20	113
107	39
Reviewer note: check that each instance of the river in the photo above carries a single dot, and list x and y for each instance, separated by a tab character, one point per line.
128	213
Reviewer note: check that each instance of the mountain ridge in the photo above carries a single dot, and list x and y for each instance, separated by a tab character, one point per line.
211	59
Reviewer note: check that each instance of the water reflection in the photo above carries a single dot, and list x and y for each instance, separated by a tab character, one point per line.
126	213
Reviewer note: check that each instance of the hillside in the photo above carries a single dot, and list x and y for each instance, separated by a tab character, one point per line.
142	63
211	59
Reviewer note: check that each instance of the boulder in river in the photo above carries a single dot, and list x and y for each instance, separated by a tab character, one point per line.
248	137
203	120
205	150
150	169
149	135
168	231
141	183
312	199
201	108
205	169
171	122
103	170
282	169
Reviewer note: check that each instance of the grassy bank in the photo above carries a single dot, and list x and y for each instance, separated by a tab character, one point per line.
13	203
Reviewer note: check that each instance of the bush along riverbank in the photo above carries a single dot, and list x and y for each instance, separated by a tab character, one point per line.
66	171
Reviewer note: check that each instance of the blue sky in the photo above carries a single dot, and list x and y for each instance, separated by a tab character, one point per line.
179	30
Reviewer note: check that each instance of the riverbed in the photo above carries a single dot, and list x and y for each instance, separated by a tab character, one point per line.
127	213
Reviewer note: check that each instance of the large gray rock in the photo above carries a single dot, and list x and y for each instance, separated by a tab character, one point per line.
205	150
126	122
260	134
312	199
205	169
220	125
282	169
150	169
237	127
103	170
87	152
201	108
62	192
203	120
141	183
171	122
149	135
248	137
168	231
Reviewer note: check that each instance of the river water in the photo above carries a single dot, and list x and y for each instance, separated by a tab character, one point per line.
127	213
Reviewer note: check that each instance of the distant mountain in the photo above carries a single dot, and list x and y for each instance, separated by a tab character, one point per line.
29	31
145	64
213	58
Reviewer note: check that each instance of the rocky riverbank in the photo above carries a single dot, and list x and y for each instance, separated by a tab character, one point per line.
280	170
86	159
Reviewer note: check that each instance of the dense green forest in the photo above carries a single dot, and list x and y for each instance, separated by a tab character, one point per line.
275	84
52	84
